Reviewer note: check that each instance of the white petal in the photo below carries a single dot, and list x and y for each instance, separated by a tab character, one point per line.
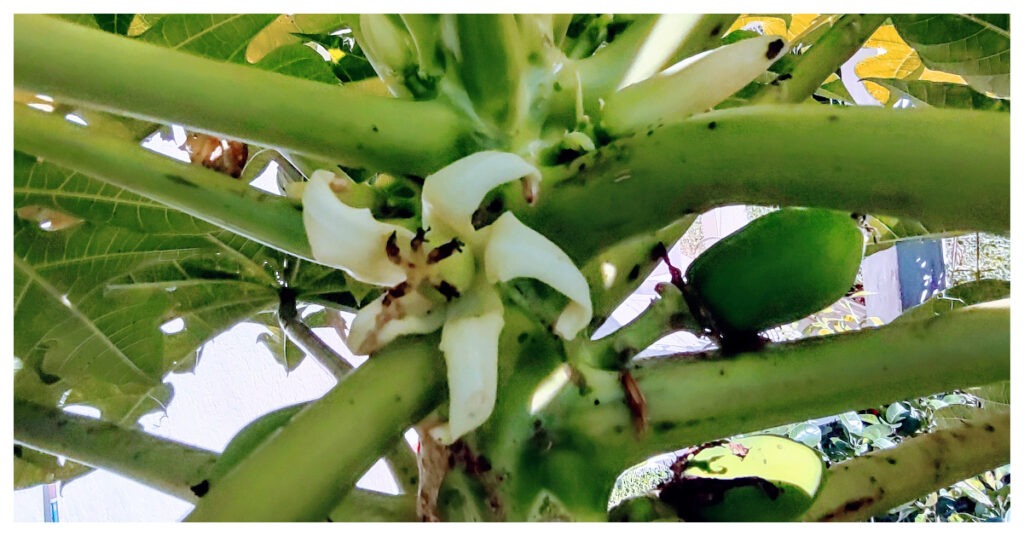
348	238
420	315
515	250
469	341
452	195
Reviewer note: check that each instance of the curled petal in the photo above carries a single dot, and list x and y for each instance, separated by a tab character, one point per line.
452	195
348	238
469	341
515	250
377	324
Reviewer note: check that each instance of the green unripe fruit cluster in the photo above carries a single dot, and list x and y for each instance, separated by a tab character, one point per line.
779	268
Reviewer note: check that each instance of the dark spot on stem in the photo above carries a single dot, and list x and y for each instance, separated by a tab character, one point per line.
784	77
374	128
873	479
990	428
664	426
633	273
774	48
596	403
18	452
181	181
833	118
679	320
712	125
716	30
522	337
853	506
890	460
201	488
721	372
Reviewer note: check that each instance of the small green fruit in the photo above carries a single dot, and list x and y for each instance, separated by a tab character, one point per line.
780	268
777	479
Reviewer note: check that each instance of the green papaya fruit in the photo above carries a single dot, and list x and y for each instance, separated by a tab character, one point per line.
250	437
759	478
779	268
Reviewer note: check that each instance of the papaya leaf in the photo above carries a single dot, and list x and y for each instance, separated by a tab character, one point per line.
64	319
886	231
976	47
33	468
285	352
942	94
142	22
956	297
287	29
117	24
46	184
103	313
836	90
895	59
300	61
122	404
216	36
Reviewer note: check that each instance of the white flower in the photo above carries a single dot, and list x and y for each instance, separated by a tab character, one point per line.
451	283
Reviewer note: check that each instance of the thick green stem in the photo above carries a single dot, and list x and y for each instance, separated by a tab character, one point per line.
846	36
168	466
93	68
307	468
701	398
195	190
909	163
873	484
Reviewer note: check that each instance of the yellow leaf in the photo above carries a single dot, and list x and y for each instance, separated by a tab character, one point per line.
276	34
802	23
939	76
895	59
336	54
771	25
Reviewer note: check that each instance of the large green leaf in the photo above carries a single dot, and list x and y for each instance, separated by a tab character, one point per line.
288	30
299	61
114	23
43	183
976	47
89	303
942	94
217	36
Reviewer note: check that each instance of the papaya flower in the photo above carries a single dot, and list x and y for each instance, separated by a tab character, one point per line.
444	275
